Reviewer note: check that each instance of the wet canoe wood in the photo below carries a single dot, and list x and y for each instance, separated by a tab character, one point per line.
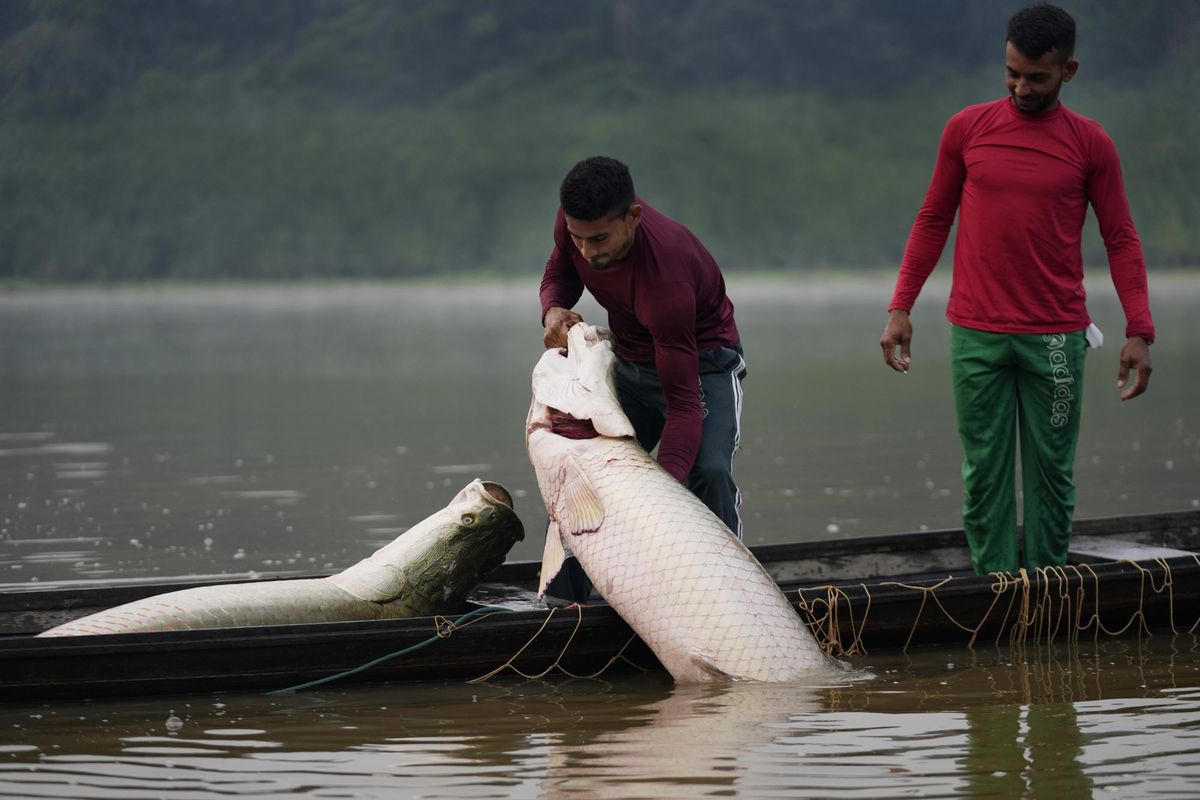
283	656
856	594
1099	548
1096	594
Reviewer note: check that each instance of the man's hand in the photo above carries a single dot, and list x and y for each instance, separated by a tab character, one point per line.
1135	355
898	333
557	322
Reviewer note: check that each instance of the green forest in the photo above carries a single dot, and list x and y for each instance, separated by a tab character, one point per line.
297	139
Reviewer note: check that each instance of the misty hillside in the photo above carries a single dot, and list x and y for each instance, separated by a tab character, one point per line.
299	138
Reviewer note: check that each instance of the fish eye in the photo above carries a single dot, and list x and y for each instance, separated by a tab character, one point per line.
468	519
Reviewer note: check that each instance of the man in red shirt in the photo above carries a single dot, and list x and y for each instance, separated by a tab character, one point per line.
1021	172
679	356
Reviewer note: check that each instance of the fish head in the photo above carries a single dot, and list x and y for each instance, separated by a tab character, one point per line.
577	385
480	529
435	564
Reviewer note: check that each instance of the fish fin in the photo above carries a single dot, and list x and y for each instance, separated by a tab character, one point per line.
578	508
704	663
553	557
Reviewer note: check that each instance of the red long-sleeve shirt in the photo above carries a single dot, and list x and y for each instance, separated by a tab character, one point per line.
666	301
1021	184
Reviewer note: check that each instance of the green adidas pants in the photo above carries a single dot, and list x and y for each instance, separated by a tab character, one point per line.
1009	386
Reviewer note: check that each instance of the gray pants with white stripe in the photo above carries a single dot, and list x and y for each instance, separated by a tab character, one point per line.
711	478
721	374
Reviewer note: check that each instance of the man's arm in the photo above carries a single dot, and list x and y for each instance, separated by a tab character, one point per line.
925	244
677	360
1126	264
560	290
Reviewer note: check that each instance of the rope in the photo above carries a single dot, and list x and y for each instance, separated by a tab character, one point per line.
1037	606
443	626
825	626
510	665
1043	611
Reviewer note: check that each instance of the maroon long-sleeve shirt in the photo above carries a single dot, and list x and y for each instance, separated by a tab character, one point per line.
1021	184
666	301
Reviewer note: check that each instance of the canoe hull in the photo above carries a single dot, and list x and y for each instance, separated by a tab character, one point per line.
857	595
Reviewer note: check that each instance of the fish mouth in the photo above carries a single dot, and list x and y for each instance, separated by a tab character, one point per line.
574	391
508	527
487	498
498	493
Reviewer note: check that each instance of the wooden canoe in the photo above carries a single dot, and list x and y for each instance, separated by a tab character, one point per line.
1130	575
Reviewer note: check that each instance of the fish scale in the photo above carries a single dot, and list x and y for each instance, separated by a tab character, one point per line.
682	580
692	591
235	605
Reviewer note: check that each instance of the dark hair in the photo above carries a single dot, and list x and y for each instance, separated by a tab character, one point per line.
597	187
1036	30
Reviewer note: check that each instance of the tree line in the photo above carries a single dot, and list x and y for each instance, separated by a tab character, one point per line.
281	139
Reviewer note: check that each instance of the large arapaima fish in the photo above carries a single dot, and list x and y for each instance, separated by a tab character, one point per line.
681	579
430	568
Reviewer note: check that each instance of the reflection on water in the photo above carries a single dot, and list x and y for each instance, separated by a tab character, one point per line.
1014	751
1119	717
691	742
156	432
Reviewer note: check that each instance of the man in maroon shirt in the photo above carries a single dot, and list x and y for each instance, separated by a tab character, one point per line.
679	356
1021	173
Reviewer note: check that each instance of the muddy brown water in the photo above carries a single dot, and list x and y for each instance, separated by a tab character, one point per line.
150	433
